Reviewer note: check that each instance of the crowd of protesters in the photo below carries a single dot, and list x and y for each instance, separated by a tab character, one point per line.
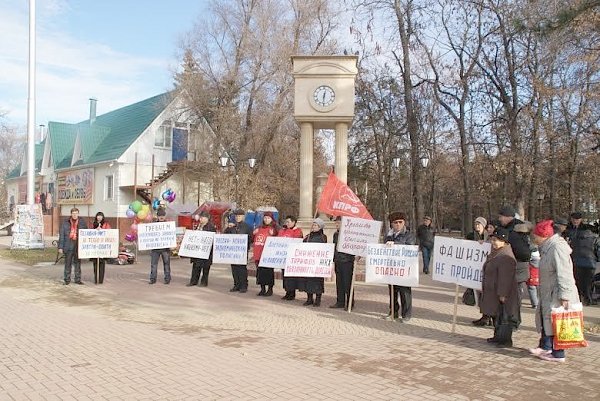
553	261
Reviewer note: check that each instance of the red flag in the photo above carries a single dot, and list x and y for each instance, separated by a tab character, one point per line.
338	199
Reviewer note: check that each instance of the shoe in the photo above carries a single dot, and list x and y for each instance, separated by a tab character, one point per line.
504	344
203	284
269	292
234	289
261	293
65	282
492	340
291	297
426	272
483	321
79	282
308	302
285	297
533	306
389	317
336	306
243	291
190	284
539	351
406	319
317	302
551	358
152	282
167	281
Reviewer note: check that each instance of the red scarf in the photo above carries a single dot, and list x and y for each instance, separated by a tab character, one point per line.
73	232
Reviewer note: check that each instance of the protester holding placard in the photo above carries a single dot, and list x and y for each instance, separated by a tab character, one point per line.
500	298
399	234
344	270
315	285
480	234
99	263
265	277
165	253
68	236
557	287
201	266
290	230
239	272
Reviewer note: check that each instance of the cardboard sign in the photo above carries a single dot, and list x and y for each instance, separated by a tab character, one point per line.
157	235
459	261
392	264
196	244
98	243
309	259
275	252
356	233
231	249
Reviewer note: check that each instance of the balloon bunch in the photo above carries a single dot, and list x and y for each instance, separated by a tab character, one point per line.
139	212
168	195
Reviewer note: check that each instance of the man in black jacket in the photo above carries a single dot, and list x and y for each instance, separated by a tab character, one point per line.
240	272
201	266
584	243
425	236
344	270
68	238
400	234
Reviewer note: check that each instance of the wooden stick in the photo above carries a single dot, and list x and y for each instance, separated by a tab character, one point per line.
455	309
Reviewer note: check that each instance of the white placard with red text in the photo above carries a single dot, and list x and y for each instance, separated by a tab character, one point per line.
356	233
392	264
309	259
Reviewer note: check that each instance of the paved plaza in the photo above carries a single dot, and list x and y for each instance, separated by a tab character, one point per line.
127	340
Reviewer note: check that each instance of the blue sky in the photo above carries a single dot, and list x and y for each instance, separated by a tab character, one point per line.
118	51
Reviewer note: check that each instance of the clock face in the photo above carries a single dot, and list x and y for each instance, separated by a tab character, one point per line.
324	96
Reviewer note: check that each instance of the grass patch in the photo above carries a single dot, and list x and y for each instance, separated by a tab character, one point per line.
29	256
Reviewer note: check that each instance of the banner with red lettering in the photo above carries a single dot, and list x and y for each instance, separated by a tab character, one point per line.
392	264
309	259
338	199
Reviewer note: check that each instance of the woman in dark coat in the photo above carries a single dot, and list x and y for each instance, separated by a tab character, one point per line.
500	297
315	285
99	223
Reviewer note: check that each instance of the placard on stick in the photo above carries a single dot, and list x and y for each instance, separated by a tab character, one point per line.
392	264
356	233
459	261
230	249
95	243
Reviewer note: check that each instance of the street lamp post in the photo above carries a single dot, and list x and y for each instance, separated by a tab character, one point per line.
225	159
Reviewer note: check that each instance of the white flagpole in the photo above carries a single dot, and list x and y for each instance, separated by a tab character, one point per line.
31	108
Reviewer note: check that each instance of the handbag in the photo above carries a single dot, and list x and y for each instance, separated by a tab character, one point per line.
468	297
567	325
504	326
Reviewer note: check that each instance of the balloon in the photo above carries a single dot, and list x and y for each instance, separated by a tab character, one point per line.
171	197
134	227
142	214
146	207
130	213
130	237
155	203
136	206
149	218
165	195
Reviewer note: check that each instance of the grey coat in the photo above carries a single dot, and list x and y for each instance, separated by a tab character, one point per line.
556	280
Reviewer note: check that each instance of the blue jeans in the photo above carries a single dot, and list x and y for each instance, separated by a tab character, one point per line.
547	343
426	256
155	254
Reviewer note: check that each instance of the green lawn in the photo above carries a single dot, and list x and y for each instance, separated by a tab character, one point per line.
29	256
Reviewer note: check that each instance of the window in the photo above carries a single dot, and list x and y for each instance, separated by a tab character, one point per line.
109	187
164	135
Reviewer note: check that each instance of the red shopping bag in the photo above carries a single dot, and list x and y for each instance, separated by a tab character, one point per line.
568	328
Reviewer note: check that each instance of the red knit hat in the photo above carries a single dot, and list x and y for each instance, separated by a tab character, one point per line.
544	229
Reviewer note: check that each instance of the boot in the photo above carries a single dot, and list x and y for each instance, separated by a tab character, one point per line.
317	301
483	321
286	296
262	291
309	300
269	291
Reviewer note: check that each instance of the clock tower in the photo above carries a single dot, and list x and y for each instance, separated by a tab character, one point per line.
323	99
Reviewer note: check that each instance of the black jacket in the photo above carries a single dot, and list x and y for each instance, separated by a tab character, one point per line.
425	236
584	244
241	228
340	257
402	238
519	242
